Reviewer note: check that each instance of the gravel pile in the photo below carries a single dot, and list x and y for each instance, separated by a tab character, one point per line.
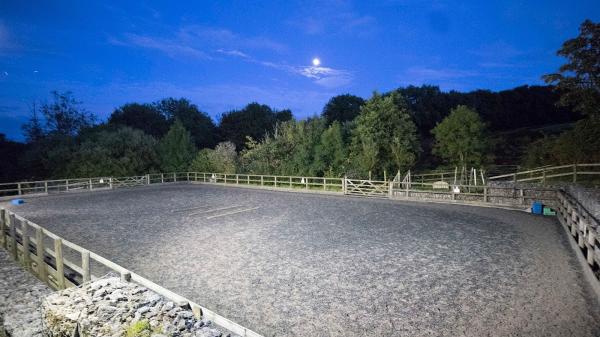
20	298
111	307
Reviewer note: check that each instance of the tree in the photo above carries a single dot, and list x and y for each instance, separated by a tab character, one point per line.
262	157
65	116
385	136
33	129
223	159
579	79
11	168
198	123
460	138
176	149
342	108
331	153
254	120
580	144
144	117
120	151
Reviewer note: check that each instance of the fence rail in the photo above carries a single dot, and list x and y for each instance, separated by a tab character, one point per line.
46	255
573	173
581	225
497	195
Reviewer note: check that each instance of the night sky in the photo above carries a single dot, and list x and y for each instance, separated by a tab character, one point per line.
224	54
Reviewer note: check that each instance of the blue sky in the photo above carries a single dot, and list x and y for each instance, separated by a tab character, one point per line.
225	54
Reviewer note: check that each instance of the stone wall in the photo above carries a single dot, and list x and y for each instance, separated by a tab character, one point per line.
20	297
112	307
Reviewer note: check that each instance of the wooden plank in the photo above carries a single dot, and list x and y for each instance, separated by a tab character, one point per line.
2	227
60	271
25	241
39	246
85	266
13	236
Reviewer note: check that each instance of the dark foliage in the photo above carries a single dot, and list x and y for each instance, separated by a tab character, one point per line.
342	108
255	120
143	117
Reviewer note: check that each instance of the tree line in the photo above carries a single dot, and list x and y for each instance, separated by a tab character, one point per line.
410	127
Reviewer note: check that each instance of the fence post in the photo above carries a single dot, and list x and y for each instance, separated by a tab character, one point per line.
543	176
60	268
407	191
275	181
290	181
195	176
162	178
2	226
574	173
13	237
85	266
515	177
344	185
19	188
485	192
521	196
110	183
248	179
225	179
39	251
390	189
188	176
91	187
67	184
262	180
174	177
46	187
25	241
147	179
324	184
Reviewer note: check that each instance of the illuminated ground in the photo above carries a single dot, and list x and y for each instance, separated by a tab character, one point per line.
292	264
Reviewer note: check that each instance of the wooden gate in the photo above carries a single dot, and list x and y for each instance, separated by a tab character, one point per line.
366	188
129	181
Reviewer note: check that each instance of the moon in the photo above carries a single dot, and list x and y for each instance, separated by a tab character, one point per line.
316	62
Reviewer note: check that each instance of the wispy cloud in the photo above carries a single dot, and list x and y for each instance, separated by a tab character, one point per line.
327	77
169	47
327	17
233	52
323	76
197	42
225	38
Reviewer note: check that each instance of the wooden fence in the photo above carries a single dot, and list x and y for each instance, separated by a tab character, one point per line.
581	225
43	254
102	183
478	194
581	173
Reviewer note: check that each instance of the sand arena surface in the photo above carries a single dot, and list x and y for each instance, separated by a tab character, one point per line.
293	264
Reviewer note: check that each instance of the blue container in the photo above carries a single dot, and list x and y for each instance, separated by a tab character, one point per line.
537	207
17	201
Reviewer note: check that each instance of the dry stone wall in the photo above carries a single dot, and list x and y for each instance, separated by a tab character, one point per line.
112	307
